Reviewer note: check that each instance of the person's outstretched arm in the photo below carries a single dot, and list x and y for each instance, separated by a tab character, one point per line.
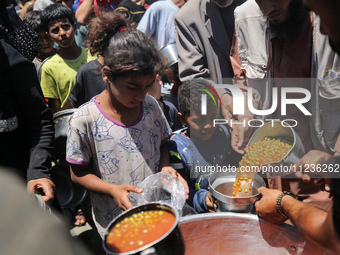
84	12
311	222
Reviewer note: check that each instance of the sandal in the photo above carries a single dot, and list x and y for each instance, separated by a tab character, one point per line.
80	219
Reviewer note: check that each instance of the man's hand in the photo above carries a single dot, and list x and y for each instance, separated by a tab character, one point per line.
46	185
176	175
120	193
266	206
240	135
314	159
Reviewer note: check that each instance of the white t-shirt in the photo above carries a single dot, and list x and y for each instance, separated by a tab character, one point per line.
115	152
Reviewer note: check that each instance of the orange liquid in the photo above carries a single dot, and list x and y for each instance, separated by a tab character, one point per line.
139	230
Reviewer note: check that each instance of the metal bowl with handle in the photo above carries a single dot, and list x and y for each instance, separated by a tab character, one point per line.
222	197
275	129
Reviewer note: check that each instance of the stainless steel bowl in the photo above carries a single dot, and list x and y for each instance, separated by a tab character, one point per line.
275	129
225	202
61	123
170	52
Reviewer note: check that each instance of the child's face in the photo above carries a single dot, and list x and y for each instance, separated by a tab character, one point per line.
201	127
130	91
62	32
46	42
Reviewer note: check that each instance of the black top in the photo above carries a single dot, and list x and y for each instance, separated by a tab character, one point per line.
89	83
171	114
17	33
134	11
26	125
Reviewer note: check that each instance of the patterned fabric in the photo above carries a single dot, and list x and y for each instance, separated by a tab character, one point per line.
23	39
116	153
58	75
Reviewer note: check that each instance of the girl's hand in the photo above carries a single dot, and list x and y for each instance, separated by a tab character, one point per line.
120	193
176	175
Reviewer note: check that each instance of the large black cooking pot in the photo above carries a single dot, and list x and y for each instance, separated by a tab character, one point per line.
61	123
69	194
170	244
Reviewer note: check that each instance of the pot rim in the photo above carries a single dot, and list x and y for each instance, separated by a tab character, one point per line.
149	206
64	112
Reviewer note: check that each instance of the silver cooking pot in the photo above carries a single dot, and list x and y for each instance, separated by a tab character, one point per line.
223	197
69	195
170	52
276	130
171	243
61	123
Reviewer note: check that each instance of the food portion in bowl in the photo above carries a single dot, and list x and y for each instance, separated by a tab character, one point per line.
260	153
139	230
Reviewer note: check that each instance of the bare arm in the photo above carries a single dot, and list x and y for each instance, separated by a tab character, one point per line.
81	175
84	12
311	222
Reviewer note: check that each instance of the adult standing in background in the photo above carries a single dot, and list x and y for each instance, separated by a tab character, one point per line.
158	21
313	223
279	45
26	125
205	31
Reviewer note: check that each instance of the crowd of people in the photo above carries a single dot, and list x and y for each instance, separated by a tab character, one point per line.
104	60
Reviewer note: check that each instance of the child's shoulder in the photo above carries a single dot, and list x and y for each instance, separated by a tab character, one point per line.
85	110
150	100
150	104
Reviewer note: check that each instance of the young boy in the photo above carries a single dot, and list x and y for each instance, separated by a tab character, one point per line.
200	144
47	50
59	73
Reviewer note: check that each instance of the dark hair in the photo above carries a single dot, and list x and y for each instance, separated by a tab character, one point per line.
33	19
127	51
54	12
189	95
101	27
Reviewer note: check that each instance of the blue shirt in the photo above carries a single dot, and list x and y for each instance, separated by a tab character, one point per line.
158	22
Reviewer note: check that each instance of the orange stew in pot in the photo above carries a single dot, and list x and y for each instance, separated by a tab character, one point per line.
138	230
